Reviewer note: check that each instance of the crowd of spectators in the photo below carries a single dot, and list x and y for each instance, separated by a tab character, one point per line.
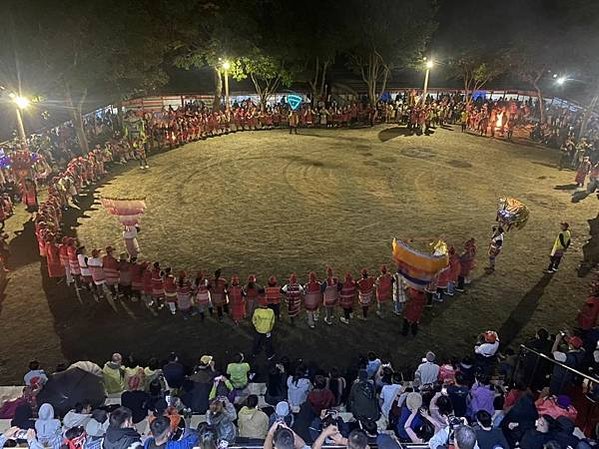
480	401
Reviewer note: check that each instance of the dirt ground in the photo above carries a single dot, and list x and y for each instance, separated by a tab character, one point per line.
269	203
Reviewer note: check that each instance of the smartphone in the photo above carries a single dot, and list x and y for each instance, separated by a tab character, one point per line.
444	390
21	435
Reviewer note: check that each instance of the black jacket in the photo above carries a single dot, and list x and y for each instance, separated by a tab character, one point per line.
117	438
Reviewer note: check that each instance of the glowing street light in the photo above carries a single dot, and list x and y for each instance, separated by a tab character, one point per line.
21	103
226	67
429	63
561	80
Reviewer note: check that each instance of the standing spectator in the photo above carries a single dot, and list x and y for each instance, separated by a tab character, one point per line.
373	364
198	386
561	244
252	422
174	371
572	358
263	321
114	373
298	388
337	385
35	376
120	433
362	401
428	371
276	386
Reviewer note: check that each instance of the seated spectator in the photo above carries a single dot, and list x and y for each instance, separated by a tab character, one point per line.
252	422
421	432
78	416
152	372
282	414
362	401
519	420
556	406
514	395
135	399
458	395
298	387
413	402
132	369
545	427
76	438
328	418
447	373
171	412
373	364
221	386
48	429
221	415
120	433
321	398
161	436
356	439
572	357
114	373
427	372
97	425
389	393
466	368
282	437
174	372
238	371
23	418
487	436
35	376
338	385
481	396
11	433
488	345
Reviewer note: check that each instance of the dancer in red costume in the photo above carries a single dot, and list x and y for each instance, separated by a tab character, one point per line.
273	296
293	292
365	291
384	290
312	299
330	295
236	300
218	294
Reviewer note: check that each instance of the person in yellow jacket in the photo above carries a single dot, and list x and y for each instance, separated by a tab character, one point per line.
561	244
113	374
263	321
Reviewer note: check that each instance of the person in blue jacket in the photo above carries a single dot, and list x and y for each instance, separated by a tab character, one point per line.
161	436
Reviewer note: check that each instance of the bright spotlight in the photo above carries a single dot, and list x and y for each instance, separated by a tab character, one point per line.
429	64
21	102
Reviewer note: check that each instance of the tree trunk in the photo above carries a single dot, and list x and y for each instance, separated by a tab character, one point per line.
75	111
120	115
541	105
218	90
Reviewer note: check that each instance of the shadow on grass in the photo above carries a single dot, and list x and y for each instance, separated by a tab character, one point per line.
566	187
523	312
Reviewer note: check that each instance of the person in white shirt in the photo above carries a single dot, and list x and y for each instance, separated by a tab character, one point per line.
428	371
389	393
488	346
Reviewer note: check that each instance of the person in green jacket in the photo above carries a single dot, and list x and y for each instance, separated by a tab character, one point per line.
263	321
113	374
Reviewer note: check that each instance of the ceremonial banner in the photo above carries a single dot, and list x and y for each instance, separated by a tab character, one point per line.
512	213
127	210
416	268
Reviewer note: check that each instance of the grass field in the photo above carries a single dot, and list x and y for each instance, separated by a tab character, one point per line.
270	203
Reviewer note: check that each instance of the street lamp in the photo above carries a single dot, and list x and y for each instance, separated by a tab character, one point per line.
226	67
561	80
429	65
20	103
